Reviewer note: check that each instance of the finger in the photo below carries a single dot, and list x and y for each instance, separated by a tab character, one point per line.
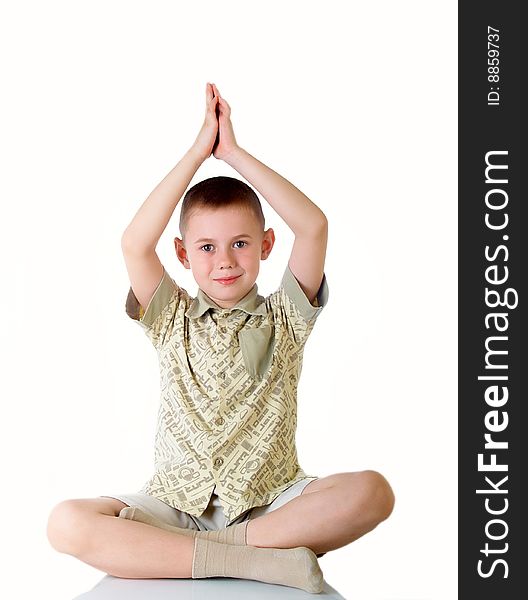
225	106
216	90
208	92
211	107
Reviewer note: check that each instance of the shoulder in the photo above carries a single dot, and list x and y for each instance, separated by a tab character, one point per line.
291	295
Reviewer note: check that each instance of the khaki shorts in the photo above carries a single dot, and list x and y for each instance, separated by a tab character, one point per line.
213	518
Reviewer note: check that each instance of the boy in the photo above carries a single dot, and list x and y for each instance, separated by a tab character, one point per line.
228	497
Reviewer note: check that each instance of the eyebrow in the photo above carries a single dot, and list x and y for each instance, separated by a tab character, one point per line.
246	235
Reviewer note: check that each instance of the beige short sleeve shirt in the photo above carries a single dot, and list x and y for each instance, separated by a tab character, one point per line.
228	411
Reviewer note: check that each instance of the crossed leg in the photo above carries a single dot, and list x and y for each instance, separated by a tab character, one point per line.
90	530
330	513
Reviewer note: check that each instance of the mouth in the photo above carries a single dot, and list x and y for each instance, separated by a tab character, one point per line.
227	280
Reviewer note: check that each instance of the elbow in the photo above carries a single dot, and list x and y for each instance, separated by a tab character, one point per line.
126	242
133	246
320	219
319	225
313	227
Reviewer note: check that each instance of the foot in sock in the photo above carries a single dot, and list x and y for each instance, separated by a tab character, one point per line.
294	567
235	534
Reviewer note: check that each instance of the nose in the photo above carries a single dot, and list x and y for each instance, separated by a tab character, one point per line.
224	259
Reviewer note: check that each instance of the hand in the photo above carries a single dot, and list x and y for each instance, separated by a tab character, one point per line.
205	140
226	142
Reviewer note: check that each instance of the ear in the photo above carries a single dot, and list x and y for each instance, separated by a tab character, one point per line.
268	242
181	252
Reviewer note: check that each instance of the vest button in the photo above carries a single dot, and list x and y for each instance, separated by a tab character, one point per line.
219	421
218	462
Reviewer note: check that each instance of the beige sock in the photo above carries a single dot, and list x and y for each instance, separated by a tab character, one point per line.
234	534
294	567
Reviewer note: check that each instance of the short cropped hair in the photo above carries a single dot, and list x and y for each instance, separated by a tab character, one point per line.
218	192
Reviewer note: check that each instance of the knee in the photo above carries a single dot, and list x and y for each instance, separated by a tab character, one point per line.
379	493
66	528
367	494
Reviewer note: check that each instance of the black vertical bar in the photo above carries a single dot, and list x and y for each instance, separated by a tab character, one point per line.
492	388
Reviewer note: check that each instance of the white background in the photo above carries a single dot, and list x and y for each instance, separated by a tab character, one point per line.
355	103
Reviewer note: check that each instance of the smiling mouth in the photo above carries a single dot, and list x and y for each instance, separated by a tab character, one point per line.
227	278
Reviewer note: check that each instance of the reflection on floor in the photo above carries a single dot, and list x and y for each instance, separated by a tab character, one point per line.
217	588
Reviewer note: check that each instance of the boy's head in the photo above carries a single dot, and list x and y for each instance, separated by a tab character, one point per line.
222	228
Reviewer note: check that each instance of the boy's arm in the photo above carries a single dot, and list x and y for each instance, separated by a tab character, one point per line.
140	238
303	217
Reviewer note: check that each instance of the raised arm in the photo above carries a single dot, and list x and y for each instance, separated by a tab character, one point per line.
141	237
303	217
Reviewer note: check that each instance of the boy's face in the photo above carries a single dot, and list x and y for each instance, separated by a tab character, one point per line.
222	243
